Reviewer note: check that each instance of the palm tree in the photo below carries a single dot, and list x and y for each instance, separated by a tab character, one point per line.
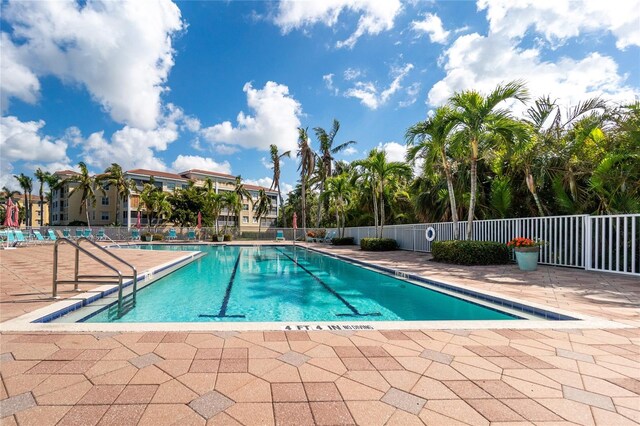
41	176
307	164
216	203
233	203
326	158
339	189
53	183
479	120
26	183
242	193
380	171
262	207
114	176
148	199
86	187
431	141
275	183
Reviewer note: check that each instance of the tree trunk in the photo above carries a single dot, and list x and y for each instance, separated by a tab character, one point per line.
115	222
337	219
284	216
304	206
375	208
532	189
474	184
319	216
452	203
382	215
86	209
41	205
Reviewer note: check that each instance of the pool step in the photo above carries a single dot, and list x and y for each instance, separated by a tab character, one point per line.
128	303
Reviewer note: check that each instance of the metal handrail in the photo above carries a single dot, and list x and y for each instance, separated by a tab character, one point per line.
76	280
118	258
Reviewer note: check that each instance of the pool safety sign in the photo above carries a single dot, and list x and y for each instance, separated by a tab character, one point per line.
331	327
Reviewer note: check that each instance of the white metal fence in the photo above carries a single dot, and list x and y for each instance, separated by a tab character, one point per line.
600	243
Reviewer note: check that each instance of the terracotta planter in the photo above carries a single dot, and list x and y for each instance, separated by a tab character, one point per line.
527	258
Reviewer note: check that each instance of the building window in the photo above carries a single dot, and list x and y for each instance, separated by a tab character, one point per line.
245	207
171	186
105	201
255	220
245	219
104	216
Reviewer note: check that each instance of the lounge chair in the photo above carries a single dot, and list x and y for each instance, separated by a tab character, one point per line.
66	233
20	239
329	237
135	235
191	235
11	239
280	236
52	235
172	234
79	233
39	238
88	233
101	235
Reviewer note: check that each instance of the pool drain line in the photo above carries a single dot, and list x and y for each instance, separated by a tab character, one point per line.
227	295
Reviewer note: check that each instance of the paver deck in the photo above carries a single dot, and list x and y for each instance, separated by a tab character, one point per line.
441	377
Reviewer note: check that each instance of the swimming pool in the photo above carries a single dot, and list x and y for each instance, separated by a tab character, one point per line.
286	283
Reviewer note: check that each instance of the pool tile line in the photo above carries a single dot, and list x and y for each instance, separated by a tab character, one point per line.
327	287
227	295
540	312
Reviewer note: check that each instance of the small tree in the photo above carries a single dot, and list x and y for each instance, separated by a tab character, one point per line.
262	207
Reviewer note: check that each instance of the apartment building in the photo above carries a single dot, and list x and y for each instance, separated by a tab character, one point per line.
66	208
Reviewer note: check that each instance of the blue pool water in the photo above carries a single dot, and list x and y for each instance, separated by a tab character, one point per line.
285	283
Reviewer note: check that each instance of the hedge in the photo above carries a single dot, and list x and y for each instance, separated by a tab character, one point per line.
378	244
470	252
344	241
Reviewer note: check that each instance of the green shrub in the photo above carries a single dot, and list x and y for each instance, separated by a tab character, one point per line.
227	237
378	244
344	241
158	237
470	252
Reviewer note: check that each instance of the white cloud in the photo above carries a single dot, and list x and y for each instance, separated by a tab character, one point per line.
395	151
481	63
352	74
266	162
432	25
17	80
186	162
350	150
223	149
412	95
133	147
375	15
368	93
560	20
275	120
23	141
328	81
121	52
264	182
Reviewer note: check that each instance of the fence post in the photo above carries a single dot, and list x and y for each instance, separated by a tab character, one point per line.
586	242
413	228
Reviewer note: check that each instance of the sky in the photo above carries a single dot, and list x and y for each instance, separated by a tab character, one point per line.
174	86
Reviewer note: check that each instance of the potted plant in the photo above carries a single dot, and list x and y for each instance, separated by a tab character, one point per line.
147	236
311	236
527	252
220	237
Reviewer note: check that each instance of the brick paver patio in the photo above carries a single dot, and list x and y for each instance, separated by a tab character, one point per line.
442	377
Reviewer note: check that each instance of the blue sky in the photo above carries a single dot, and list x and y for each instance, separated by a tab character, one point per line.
172	86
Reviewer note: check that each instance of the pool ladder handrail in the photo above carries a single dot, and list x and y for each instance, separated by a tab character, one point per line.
92	278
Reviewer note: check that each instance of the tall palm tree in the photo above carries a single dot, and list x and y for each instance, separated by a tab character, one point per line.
41	176
275	183
262	207
327	150
431	141
86	187
339	189
26	183
114	176
380	172
233	203
53	182
215	201
148	199
243	194
307	164
479	120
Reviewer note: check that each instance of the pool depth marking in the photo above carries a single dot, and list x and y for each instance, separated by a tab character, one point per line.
227	295
326	286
